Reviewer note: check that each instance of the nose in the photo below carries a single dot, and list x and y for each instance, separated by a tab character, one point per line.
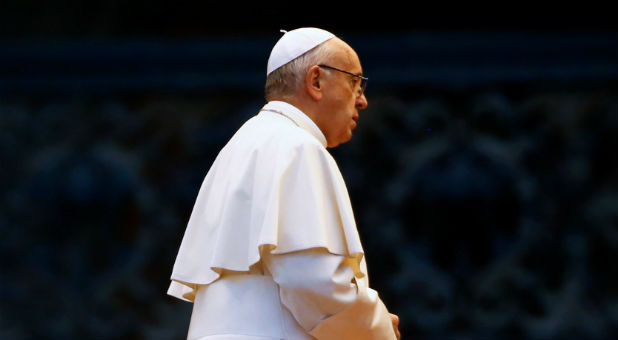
361	102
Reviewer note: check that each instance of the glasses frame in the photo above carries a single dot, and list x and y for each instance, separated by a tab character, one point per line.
363	80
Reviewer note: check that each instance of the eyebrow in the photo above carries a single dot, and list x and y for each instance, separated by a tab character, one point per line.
356	75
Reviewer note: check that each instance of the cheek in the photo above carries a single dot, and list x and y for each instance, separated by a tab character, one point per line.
344	123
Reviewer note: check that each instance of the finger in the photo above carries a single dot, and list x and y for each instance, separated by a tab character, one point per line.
395	319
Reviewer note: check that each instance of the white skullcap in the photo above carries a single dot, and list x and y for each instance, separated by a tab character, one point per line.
295	43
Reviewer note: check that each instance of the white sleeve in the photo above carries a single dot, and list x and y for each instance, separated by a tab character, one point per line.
324	296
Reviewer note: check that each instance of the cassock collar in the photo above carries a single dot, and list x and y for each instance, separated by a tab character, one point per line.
297	116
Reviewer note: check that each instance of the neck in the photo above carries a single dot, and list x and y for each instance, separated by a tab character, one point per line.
307	107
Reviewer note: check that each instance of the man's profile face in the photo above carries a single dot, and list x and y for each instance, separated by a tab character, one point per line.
342	97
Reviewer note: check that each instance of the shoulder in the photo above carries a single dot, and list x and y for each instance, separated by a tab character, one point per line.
277	132
274	142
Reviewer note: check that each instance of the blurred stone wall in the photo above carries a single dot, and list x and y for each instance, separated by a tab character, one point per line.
487	213
483	177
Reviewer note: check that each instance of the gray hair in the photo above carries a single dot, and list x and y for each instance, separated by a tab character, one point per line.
287	79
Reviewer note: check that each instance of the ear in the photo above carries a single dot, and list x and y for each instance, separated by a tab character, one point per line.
314	81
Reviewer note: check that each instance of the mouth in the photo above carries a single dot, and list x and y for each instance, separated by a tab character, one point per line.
354	121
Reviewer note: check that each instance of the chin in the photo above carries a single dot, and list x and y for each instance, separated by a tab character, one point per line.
345	140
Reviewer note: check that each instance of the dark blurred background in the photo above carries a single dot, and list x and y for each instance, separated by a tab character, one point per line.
483	174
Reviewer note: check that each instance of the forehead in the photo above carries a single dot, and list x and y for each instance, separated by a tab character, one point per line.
346	56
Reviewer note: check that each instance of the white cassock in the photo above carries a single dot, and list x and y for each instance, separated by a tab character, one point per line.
271	250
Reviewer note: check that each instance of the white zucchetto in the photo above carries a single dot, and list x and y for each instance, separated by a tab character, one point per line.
295	43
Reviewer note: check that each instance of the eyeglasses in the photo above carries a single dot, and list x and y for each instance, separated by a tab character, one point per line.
363	80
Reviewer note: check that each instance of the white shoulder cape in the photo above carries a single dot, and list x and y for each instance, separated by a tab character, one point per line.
274	187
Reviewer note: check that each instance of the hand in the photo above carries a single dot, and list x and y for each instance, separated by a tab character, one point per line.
395	320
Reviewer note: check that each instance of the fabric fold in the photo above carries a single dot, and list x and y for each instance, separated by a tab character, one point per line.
273	188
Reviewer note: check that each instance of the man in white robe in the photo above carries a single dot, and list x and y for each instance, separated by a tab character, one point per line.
271	250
